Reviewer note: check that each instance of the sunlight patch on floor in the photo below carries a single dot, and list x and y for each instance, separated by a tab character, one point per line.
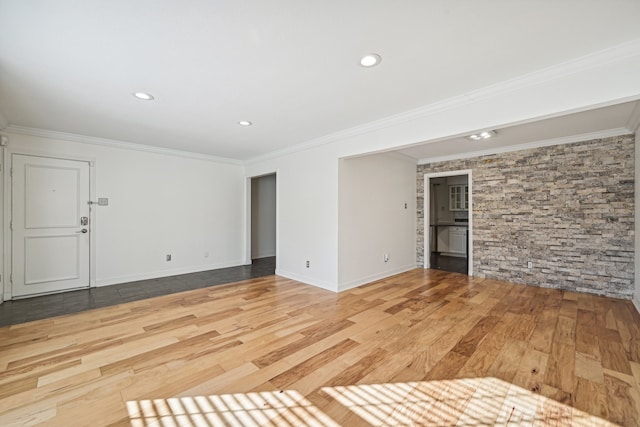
279	408
461	402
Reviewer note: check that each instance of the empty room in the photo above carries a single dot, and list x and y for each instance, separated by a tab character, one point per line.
355	213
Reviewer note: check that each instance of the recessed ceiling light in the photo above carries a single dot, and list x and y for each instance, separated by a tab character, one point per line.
482	135
370	60
144	96
245	123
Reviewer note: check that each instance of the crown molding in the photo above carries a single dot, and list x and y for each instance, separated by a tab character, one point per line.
593	60
536	144
23	130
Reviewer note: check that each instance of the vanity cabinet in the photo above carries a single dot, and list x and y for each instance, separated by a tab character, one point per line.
458	197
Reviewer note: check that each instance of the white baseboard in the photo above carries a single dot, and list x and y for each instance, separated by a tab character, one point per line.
343	287
372	278
166	273
306	280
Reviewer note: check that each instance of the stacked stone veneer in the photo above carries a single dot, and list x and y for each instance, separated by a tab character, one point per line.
567	208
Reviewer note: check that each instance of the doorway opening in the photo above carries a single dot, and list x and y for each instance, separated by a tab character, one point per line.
263	240
448	222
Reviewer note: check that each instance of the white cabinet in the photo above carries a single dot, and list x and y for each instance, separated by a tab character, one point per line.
458	197
458	240
443	239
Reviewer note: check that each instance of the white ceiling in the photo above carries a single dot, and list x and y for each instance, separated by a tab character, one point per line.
289	66
615	119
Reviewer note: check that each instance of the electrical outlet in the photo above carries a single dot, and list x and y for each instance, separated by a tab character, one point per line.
529	264
386	257
103	201
168	257
206	254
308	264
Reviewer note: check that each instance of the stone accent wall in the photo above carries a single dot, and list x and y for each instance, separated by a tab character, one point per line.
567	208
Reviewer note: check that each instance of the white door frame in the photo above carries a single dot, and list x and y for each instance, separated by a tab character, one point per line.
247	216
426	231
6	174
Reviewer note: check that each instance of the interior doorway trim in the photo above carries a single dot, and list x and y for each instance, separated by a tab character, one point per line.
247	214
426	231
7	160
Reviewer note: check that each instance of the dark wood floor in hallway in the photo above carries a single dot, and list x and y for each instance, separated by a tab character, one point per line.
45	306
425	347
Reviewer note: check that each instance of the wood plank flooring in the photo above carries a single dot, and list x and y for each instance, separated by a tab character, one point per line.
46	306
425	347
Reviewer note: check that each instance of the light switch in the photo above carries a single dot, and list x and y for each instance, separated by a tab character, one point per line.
103	201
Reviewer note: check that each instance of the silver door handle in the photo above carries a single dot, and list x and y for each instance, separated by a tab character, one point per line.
84	230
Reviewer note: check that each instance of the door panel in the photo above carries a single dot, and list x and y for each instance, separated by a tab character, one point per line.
52	197
50	253
40	266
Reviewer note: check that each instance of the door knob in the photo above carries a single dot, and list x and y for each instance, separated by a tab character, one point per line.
84	230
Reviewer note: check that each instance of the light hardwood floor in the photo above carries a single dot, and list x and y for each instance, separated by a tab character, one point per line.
422	348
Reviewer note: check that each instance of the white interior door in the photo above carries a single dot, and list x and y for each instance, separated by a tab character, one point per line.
50	230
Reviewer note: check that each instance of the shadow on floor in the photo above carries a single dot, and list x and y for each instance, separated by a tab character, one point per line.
42	307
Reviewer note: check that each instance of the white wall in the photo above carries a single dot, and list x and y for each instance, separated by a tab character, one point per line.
377	216
307	215
200	204
158	204
308	182
263	216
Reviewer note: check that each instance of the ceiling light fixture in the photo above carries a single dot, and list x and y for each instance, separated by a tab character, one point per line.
144	96
370	60
245	123
482	135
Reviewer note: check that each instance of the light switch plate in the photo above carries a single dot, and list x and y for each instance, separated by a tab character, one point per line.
103	201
